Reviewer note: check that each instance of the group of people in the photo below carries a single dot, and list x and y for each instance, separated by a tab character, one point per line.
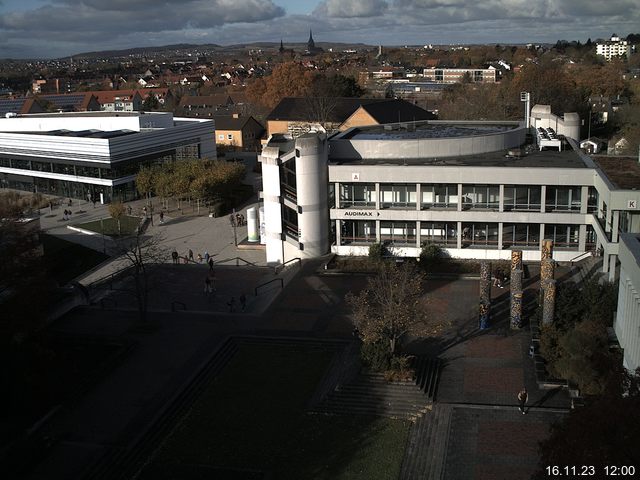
237	220
66	215
499	278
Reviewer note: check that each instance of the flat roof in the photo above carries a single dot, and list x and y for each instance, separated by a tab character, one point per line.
84	133
623	172
89	114
428	129
534	159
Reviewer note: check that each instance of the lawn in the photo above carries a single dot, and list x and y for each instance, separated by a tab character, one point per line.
252	418
64	260
128	226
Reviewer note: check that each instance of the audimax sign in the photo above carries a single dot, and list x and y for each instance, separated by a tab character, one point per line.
360	213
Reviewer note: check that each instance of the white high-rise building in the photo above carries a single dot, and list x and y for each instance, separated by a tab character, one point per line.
614	47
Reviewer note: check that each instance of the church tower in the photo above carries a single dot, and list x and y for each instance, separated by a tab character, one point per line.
311	45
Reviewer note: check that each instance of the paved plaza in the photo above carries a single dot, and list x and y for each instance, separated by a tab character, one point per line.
486	438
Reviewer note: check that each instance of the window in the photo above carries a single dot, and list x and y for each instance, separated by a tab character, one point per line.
439	233
480	234
290	223
288	179
522	197
357	195
439	196
398	196
592	200
563	199
521	235
229	136
357	231
398	233
221	136
485	197
563	236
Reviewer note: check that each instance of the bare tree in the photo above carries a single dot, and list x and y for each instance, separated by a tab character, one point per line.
393	306
139	255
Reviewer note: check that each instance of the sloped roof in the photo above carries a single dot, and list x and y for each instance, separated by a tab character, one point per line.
302	108
396	110
383	110
109	96
206	100
69	101
229	122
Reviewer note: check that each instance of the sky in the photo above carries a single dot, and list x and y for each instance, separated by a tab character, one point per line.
60	28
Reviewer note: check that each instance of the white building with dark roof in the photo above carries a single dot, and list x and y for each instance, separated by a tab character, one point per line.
95	154
477	189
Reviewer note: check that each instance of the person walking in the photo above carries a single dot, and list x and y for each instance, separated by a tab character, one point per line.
206	257
207	285
161	217
232	304
243	301
211	264
190	255
174	256
523	396
199	258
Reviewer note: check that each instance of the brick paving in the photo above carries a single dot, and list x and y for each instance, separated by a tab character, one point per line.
488	444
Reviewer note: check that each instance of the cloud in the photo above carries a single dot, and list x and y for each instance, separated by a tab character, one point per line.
351	8
74	19
63	27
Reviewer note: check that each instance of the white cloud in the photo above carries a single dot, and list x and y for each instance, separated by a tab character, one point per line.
351	8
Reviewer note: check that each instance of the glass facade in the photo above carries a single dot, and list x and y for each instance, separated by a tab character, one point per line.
483	197
522	197
358	232
398	196
357	195
398	233
523	235
480	234
563	199
439	233
563	236
439	196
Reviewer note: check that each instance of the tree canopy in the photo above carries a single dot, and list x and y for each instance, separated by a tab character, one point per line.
392	306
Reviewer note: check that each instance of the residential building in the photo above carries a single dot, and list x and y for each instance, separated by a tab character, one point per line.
19	106
95	154
457	75
69	102
243	133
119	100
613	48
205	105
297	115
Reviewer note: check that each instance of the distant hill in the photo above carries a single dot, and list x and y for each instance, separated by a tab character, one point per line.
184	47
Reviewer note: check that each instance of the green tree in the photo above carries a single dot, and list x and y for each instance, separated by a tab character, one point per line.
150	103
145	181
117	210
603	433
575	346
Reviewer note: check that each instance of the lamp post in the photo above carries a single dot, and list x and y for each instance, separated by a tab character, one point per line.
104	244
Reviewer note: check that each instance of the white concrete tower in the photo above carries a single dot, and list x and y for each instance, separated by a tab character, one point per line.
312	179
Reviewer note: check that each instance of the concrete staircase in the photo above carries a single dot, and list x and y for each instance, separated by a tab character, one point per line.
370	394
589	267
425	455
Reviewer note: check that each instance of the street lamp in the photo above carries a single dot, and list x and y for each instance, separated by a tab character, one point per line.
526	97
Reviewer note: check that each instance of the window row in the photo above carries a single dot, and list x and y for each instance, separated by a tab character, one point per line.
472	234
483	197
